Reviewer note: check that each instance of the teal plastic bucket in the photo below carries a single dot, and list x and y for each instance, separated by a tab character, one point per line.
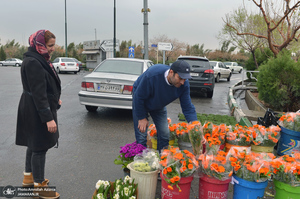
289	141
246	189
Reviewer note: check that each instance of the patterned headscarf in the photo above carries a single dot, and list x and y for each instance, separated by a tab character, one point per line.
37	41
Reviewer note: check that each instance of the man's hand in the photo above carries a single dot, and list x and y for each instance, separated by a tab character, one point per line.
52	127
143	124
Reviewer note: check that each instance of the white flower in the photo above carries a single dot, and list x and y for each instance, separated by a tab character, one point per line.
100	196
126	191
118	188
98	184
132	197
102	182
116	196
127	178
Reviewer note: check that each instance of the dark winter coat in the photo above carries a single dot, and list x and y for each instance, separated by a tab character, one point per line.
38	103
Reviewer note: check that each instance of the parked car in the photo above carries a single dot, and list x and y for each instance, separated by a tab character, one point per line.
203	79
234	67
65	64
79	63
111	82
221	71
11	62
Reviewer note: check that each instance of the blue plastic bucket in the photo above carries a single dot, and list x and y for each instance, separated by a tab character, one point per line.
289	141
246	189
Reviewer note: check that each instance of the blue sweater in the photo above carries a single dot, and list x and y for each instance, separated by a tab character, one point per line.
151	92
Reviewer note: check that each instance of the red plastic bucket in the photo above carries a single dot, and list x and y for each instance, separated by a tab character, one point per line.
210	188
184	184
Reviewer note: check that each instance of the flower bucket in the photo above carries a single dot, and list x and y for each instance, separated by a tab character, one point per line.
210	188
286	191
184	184
246	189
228	146
154	143
262	149
146	181
289	141
185	146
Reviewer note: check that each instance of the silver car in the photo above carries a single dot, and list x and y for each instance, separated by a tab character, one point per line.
11	62
110	84
221	71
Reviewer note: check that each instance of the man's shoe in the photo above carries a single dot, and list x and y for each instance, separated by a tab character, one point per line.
42	191
28	180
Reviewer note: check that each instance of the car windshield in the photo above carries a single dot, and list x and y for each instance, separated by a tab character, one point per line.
197	63
67	60
227	63
121	66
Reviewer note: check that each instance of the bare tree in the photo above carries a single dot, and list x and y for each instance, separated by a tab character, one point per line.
282	23
241	21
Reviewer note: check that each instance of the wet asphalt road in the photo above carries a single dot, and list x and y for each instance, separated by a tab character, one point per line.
89	142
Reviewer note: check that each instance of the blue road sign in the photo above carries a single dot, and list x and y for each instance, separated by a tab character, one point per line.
154	45
131	49
131	55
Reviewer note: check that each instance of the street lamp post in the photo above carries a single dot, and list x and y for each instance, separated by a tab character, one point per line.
114	28
146	10
66	43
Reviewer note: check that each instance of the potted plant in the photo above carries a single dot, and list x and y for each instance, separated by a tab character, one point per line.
125	189
127	154
290	133
144	170
196	137
239	136
251	172
264	139
214	136
215	174
177	168
286	172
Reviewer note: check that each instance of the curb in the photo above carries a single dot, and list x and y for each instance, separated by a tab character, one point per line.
240	117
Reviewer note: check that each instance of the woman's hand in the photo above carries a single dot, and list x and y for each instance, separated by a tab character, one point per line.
52	127
59	102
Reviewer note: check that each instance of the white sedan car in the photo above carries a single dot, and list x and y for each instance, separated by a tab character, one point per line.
221	71
110	84
65	64
234	67
11	62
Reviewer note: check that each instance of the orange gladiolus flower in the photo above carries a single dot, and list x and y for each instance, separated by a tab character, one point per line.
169	169
190	166
176	178
170	187
165	171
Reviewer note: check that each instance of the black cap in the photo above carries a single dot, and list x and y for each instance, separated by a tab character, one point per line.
182	68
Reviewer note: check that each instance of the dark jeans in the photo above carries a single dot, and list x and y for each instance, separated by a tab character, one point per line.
160	120
35	163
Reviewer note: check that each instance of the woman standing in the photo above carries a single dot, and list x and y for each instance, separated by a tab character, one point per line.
37	113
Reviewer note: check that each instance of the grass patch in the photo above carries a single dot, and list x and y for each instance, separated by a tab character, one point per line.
215	119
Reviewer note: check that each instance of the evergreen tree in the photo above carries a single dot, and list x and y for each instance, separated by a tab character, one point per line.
2	54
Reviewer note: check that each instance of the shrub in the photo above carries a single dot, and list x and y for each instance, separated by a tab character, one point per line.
278	83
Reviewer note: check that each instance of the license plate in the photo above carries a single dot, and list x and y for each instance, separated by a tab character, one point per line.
71	64
194	74
111	88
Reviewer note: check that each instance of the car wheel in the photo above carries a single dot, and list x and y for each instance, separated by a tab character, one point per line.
228	78
1	64
75	72
232	70
57	70
217	78
17	65
91	108
210	94
240	71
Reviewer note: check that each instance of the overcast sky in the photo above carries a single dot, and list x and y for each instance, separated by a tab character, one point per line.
189	21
